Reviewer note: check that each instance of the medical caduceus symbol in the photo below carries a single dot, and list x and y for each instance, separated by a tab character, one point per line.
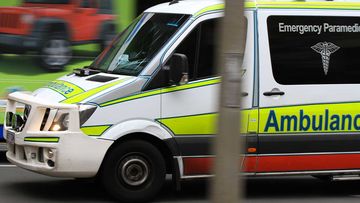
325	49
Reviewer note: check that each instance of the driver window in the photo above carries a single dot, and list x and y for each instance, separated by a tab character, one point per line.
189	47
105	5
200	47
87	4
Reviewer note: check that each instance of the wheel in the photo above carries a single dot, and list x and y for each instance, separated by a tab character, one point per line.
55	52
134	171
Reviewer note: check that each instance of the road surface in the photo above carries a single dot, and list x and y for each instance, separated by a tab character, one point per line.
18	185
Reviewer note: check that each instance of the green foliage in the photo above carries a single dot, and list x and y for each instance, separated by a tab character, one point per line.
21	72
10	2
25	74
2	115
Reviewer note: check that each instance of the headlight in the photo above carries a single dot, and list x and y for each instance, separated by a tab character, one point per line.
85	112
61	121
27	18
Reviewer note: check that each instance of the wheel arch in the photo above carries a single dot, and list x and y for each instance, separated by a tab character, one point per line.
168	147
149	131
44	26
108	24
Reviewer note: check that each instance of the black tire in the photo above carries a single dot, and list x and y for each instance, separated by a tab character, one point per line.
107	37
133	171
55	52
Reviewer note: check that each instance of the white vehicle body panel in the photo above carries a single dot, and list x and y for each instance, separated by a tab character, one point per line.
306	94
187	7
124	107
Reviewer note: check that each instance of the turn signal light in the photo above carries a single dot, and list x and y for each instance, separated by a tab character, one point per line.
251	150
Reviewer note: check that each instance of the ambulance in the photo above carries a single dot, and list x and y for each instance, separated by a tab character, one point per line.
147	106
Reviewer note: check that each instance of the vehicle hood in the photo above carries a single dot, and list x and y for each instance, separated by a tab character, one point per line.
72	89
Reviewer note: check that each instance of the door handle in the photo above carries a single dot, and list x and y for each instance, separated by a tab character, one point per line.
244	94
273	93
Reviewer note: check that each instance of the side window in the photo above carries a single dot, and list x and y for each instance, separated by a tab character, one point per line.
208	47
200	47
105	5
189	47
88	4
309	50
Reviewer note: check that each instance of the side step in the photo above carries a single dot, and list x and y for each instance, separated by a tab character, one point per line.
345	177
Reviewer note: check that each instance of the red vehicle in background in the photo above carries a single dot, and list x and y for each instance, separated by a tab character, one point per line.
50	27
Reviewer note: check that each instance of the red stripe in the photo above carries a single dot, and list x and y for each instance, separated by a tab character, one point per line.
203	166
197	166
308	162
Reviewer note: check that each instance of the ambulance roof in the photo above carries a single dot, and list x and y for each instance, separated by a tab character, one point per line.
198	7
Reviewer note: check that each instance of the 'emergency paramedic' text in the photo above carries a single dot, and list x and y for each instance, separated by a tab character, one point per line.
318	29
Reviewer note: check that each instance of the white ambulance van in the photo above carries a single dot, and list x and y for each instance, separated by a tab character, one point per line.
147	106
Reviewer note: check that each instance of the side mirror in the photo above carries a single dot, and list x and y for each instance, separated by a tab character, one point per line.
178	69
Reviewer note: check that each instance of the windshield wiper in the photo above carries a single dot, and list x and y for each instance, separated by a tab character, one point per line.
86	71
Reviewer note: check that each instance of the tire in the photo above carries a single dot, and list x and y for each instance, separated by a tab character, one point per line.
134	171
107	37
55	52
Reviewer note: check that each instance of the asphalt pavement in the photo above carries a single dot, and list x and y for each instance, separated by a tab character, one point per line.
18	185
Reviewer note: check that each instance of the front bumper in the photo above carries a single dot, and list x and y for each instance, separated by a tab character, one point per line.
18	44
73	154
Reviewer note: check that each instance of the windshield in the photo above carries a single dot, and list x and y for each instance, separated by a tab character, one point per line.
47	1
132	50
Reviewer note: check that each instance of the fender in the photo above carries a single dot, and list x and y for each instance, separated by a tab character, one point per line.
42	26
137	126
150	127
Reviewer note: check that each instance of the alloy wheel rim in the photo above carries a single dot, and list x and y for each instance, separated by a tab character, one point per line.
134	170
57	52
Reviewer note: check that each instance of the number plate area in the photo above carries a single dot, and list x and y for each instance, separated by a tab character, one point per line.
10	137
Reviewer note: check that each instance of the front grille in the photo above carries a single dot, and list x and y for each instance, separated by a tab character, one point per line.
9	20
26	113
45	119
22	110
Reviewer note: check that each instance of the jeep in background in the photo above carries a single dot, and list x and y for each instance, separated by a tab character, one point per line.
49	28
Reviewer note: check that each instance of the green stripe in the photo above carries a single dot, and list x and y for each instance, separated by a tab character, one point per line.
191	85
81	97
210	9
288	5
165	90
206	124
219	7
137	96
42	139
65	88
310	5
95	130
192	125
